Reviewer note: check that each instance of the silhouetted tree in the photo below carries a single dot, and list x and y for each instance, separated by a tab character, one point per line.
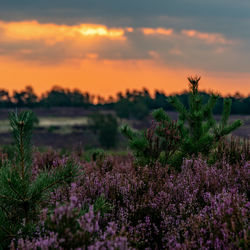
60	97
5	100
106	126
25	98
133	104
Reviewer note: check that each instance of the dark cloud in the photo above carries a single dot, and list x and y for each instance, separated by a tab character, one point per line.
224	16
230	18
123	9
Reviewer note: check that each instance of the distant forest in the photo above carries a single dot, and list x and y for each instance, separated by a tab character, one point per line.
135	104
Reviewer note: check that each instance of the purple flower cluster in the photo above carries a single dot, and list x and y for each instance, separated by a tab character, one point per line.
71	226
202	207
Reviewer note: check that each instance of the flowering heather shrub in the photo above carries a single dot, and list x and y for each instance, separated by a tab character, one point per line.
233	150
114	205
74	226
48	161
223	223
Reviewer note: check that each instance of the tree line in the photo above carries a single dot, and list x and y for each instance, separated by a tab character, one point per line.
134	104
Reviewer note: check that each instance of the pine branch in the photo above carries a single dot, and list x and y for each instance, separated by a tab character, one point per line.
10	235
179	107
208	108
127	131
21	125
22	128
228	129
5	210
13	189
45	181
194	84
160	115
7	198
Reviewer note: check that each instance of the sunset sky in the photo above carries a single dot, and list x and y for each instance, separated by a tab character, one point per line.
106	46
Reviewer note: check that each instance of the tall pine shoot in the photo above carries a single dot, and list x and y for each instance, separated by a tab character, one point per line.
196	131
200	131
20	196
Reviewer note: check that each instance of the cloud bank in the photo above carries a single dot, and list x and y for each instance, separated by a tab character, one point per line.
48	43
210	37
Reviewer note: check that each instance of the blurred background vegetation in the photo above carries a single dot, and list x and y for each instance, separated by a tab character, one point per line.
132	104
69	119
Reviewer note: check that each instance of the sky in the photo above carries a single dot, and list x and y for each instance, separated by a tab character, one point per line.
106	46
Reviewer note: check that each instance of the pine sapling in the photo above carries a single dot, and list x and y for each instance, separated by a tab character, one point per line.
199	130
20	197
196	131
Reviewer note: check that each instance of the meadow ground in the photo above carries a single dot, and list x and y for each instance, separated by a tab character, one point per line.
67	127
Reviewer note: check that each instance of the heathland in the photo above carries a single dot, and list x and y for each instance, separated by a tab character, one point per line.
128	173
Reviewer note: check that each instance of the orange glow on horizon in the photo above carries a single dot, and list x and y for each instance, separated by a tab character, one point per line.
97	59
106	77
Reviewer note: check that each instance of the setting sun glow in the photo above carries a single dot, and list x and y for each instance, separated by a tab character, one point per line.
104	60
32	30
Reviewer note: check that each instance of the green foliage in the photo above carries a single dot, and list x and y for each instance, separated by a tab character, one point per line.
94	155
135	104
22	127
199	130
156	144
123	108
139	110
102	205
20	196
106	126
196	131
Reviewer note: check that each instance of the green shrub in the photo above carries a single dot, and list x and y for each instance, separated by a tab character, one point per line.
106	126
156	144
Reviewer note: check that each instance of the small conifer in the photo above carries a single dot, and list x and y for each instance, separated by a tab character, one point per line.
199	130
20	196
196	131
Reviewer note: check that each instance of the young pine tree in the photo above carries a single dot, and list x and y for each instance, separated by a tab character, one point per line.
196	131
199	131
20	196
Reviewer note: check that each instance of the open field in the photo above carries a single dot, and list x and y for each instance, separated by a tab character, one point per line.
67	127
46	122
